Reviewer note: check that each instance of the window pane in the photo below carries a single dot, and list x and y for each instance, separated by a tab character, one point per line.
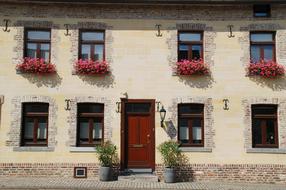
31	50
84	129
42	129
39	107
45	52
261	10
184	131
98	52
183	52
196	51
190	37
197	131
262	37
255	53
29	128
256	132
264	109
191	108
268	52
270	135
90	108
138	107
38	35
97	129
85	51
93	36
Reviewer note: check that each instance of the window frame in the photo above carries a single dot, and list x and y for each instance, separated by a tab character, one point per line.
191	117
190	43
259	6
91	42
91	117
273	43
265	117
38	42
35	116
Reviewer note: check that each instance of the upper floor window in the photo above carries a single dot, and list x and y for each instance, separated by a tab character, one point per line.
264	126
90	124
262	46
92	45
35	124
38	44
261	10
191	124
190	45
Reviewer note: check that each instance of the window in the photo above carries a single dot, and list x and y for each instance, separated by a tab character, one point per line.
261	10
92	45
264	126
90	124
191	124
190	45
35	124
38	44
262	46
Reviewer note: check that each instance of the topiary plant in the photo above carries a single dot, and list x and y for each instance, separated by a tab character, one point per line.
171	153
107	154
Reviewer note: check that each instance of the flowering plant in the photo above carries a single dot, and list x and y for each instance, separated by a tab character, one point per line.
192	67
36	65
266	69
91	67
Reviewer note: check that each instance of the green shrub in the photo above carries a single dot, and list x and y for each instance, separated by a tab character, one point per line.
171	153
106	154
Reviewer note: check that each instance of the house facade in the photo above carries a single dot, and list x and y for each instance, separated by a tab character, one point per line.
231	126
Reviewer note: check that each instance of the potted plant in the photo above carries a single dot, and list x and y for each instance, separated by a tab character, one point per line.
35	65
90	67
106	156
192	67
171	153
265	69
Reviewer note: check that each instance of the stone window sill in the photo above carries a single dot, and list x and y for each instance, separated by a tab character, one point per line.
266	150
33	149
82	149
195	149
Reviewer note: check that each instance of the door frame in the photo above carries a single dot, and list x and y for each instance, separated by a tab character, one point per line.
123	137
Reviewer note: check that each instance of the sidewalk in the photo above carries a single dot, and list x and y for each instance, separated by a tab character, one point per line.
68	183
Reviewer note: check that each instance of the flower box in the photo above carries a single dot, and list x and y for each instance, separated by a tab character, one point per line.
90	67
192	67
266	69
35	65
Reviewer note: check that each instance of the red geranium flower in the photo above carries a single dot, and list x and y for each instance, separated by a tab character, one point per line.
91	67
36	65
192	67
266	69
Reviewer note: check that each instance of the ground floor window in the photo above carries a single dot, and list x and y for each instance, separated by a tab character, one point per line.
35	124
90	124
264	126
191	124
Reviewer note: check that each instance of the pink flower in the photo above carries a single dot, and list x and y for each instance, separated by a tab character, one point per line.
266	69
91	67
36	65
192	67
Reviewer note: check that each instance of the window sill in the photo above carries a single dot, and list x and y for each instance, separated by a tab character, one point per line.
195	149
266	150
82	149
33	149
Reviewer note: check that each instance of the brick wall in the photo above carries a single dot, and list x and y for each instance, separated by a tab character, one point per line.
249	173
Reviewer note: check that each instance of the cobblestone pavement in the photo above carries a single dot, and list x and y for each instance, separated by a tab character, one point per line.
67	183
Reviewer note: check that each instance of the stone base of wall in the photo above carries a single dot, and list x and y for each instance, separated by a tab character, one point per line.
249	173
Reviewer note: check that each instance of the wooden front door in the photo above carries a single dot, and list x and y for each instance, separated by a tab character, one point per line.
138	134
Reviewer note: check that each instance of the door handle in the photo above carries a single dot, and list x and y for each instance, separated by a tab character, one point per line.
148	138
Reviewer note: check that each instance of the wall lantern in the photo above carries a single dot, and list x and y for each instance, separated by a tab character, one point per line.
162	115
